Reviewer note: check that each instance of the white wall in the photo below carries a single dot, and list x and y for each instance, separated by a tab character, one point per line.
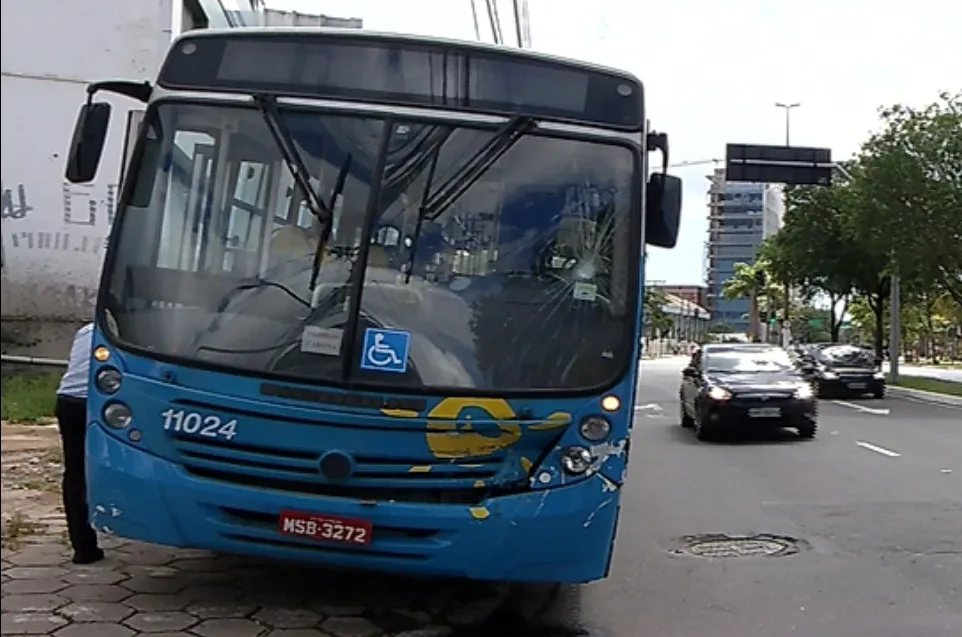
53	232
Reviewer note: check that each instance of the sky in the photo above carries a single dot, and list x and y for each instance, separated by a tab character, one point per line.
713	71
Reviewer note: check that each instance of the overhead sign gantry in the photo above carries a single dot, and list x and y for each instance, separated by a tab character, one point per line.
793	165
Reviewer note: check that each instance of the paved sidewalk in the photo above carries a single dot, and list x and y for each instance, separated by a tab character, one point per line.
142	590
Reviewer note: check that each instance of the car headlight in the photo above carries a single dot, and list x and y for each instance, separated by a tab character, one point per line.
829	375
879	375
595	428
719	393
117	415
804	392
576	460
108	380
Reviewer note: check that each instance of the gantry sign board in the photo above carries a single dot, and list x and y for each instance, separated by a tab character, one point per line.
794	165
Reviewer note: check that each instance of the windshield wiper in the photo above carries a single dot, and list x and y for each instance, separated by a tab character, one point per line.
323	211
419	223
478	164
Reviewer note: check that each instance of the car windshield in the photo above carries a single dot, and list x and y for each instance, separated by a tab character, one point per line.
514	277
847	355
747	360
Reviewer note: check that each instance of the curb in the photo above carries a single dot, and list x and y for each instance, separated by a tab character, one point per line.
924	396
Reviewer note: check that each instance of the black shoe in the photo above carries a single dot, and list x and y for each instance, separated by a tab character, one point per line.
88	556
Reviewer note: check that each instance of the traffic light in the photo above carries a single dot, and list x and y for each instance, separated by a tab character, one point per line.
760	279
772	318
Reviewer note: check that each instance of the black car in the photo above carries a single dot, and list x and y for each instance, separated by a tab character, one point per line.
845	370
746	386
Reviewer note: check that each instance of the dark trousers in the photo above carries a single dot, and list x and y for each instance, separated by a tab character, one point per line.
72	421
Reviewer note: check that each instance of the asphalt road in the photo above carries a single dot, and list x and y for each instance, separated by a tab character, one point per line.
867	518
875	500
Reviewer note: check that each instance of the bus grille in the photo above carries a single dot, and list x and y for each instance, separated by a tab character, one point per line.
373	478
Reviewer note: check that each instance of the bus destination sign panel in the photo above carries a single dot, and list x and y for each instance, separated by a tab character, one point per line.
405	73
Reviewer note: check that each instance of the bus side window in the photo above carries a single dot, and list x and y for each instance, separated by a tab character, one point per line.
246	218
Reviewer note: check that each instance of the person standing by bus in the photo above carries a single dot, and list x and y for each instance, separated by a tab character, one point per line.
71	413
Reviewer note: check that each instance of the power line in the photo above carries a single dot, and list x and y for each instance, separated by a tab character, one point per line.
474	17
492	20
516	5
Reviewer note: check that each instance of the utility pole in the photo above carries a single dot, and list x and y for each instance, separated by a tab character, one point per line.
787	107
895	328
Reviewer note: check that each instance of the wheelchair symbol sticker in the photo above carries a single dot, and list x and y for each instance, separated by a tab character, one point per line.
385	350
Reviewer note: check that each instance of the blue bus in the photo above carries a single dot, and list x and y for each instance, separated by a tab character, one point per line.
373	301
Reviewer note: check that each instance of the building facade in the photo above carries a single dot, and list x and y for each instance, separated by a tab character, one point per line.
741	216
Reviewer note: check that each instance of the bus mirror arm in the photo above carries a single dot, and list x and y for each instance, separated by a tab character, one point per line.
139	91
662	199
90	130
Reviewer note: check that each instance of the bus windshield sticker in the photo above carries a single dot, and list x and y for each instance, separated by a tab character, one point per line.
322	340
584	291
386	350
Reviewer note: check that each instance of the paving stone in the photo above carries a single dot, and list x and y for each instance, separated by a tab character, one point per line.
39	555
288	617
203	565
154	585
92	575
431	631
34	603
26	586
163	622
95	593
94	630
95	611
150	602
211	594
215	610
30	623
228	628
351	627
295	632
36	572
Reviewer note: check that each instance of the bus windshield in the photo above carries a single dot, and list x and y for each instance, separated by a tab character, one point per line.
444	264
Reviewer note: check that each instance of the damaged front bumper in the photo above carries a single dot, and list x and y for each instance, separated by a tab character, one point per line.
561	534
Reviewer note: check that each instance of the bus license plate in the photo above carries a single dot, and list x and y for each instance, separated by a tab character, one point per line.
326	528
765	412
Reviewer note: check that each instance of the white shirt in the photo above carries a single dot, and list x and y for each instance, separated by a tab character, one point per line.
75	380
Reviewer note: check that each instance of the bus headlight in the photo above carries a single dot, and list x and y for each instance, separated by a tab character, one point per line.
576	460
595	428
108	380
117	415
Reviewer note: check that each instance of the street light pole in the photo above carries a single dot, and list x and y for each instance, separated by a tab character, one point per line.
787	107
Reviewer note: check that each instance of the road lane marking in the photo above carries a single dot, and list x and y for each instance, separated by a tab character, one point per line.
868	410
880	450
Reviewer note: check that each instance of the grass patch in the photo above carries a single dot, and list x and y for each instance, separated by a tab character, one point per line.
934	385
29	398
16	529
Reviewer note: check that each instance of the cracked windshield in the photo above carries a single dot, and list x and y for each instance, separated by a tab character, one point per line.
487	246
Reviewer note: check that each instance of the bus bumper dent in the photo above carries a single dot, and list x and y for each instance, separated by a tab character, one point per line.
560	535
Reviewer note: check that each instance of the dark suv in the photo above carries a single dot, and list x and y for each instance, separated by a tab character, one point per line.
845	370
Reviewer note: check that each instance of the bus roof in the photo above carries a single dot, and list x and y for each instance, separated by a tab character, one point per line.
410	38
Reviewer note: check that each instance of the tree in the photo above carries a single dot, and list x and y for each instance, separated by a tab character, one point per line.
656	320
911	172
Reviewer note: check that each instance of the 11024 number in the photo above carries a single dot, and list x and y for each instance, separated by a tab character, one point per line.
195	424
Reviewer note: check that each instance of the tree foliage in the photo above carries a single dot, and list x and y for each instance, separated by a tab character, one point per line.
898	210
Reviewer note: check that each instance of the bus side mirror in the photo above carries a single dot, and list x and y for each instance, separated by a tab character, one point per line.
663	210
87	145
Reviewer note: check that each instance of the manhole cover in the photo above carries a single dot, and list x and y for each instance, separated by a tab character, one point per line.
719	546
